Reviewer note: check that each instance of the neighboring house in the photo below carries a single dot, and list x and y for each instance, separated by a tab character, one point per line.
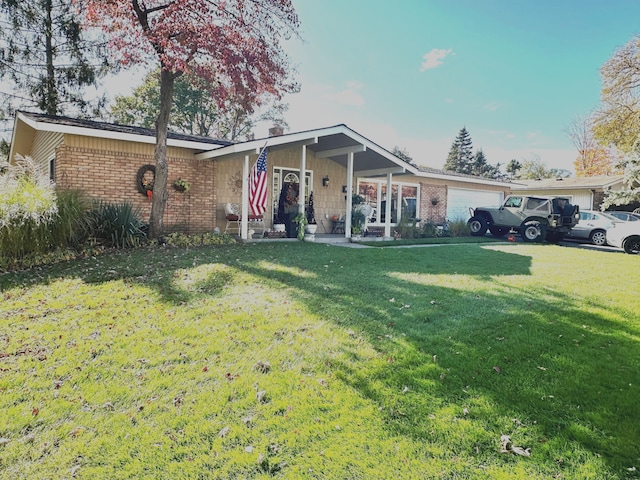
107	160
586	192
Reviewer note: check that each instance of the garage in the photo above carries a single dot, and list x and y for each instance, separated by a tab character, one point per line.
459	200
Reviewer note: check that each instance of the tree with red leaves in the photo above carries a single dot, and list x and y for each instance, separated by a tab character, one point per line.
234	45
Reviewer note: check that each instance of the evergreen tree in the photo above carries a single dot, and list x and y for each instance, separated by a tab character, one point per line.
460	158
47	59
513	167
480	167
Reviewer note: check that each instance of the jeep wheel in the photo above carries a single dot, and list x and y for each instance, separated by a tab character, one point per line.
632	245
533	232
598	237
498	231
554	237
478	226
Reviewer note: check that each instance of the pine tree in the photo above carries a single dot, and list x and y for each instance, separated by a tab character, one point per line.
460	158
46	58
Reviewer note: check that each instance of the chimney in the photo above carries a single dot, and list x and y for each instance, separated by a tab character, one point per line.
276	131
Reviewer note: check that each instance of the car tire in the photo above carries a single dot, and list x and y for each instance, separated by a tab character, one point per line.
598	237
478	226
533	231
632	245
498	231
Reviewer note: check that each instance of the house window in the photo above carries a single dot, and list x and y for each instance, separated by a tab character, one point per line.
404	199
52	169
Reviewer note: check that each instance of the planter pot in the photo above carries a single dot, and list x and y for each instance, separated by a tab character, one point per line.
309	237
356	238
311	228
278	227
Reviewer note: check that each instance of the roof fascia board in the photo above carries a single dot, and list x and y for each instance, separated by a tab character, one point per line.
91	132
255	145
481	181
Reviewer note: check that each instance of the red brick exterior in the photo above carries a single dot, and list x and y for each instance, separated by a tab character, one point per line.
430	194
111	176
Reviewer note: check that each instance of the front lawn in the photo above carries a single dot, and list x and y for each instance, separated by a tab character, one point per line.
300	360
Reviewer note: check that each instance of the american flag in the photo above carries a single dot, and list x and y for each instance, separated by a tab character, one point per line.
258	184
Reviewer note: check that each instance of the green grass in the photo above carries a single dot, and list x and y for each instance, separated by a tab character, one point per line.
302	360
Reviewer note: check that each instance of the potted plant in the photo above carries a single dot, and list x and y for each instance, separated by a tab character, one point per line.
181	185
311	226
357	222
300	220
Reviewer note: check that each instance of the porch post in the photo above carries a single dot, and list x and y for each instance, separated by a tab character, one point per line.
347	218
244	231
303	174
387	208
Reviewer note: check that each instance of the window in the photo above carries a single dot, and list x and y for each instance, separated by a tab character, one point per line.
52	169
404	199
514	202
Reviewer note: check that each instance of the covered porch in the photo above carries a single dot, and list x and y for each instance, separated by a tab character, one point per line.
327	161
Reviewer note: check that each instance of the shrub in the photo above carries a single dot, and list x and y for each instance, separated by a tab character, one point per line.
430	229
27	204
459	228
70	227
116	224
407	228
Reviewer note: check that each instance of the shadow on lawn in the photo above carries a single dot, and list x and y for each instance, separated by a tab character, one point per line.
563	376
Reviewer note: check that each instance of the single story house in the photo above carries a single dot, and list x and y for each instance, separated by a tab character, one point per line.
586	192
109	162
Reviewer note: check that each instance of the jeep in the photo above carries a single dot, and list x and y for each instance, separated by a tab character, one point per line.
535	218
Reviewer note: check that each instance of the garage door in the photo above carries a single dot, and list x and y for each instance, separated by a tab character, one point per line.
460	199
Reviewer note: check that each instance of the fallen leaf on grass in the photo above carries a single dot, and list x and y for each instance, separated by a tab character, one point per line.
497	369
76	432
261	366
4	440
506	446
224	432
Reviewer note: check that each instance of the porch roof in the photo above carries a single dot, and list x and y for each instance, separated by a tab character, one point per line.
335	142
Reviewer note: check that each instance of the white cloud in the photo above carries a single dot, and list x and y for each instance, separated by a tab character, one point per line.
434	58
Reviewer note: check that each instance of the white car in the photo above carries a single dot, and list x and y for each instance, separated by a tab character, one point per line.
593	227
625	235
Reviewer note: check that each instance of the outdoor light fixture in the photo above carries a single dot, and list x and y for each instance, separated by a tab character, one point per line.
325	181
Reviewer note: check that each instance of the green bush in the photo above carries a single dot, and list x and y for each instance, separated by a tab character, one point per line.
459	228
430	229
116	224
27	205
70	227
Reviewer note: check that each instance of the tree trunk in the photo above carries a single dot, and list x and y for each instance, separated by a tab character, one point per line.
159	198
50	94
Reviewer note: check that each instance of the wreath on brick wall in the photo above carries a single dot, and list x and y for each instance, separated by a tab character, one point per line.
145	179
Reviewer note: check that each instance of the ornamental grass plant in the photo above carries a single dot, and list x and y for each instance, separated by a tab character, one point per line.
302	360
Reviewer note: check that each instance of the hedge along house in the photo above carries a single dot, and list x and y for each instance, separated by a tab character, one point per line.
114	163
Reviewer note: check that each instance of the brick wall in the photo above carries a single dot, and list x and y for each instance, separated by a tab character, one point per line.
430	194
111	176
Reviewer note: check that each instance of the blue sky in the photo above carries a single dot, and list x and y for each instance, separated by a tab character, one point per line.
412	73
